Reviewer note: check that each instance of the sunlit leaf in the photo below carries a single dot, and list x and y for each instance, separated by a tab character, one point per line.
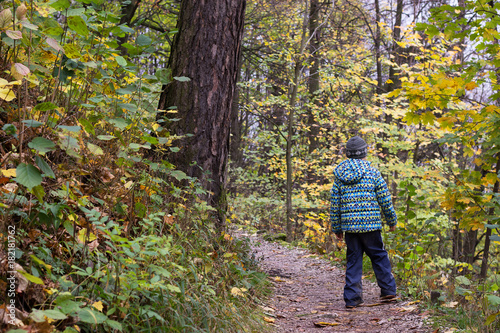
94	149
14	34
29	25
9	173
72	51
21	11
5	18
7	94
121	61
54	44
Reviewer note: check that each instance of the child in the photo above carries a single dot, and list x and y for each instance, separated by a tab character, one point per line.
359	197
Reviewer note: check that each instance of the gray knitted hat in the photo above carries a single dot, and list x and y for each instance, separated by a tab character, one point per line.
356	147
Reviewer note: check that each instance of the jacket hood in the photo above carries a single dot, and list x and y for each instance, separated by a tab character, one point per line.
351	171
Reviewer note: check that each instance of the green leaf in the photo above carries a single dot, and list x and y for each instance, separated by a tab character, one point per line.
491	318
78	25
94	149
120	123
178	174
495	238
87	125
163	74
46	169
10	129
89	316
173	288
72	51
74	129
126	29
114	324
182	78
28	175
150	139
128	106
42	145
32	123
493	300
47	106
121	61
463	280
69	227
143	40
39	192
106	137
31	278
41	263
174	149
75	12
60	5
70	145
29	25
137	146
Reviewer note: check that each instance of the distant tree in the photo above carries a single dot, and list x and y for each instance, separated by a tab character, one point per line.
206	49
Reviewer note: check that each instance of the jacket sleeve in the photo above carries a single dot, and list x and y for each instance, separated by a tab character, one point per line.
335	209
385	201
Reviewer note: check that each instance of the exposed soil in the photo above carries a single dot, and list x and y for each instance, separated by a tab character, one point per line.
308	292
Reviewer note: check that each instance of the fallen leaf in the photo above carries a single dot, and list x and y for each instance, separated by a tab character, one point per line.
269	320
268	309
235	291
9	172
451	305
325	324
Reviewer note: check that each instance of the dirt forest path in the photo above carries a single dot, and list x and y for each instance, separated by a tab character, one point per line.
308	296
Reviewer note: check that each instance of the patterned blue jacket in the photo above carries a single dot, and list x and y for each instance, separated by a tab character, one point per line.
359	197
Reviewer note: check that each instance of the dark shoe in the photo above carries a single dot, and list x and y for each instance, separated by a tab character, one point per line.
355	306
387	297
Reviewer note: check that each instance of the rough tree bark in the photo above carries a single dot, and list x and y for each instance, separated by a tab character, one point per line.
206	49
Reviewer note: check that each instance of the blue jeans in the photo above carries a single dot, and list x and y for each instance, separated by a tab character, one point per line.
370	243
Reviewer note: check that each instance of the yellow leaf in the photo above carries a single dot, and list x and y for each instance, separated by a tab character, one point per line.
269	320
324	324
235	291
9	172
471	85
7	94
98	306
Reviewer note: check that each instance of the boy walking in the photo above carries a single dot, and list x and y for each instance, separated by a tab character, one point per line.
359	198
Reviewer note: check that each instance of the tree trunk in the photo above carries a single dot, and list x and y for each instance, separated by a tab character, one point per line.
127	11
487	241
206	49
314	73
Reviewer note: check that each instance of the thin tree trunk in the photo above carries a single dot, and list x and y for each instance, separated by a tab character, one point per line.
314	45
293	99
487	241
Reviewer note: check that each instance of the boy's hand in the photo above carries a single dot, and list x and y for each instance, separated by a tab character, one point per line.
339	236
392	228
